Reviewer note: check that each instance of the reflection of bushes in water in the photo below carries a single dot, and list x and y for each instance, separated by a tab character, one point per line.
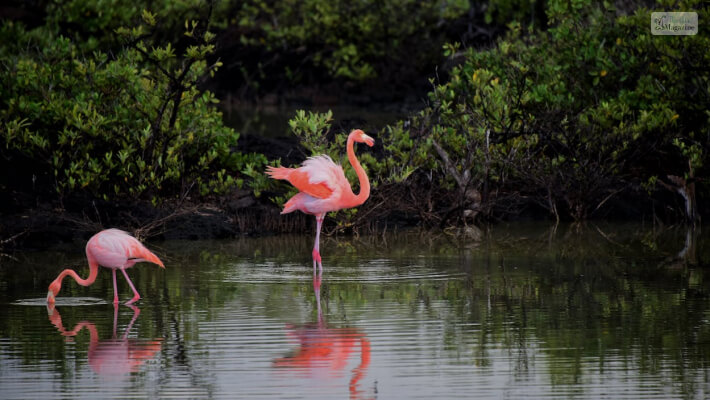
572	295
587	303
575	293
269	220
564	242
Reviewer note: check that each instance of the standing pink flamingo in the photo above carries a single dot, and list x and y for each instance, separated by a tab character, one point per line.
114	249
323	187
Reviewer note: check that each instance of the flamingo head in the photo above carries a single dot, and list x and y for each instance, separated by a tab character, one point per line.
360	137
53	291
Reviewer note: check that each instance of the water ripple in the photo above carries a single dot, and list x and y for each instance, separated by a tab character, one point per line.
373	271
61	301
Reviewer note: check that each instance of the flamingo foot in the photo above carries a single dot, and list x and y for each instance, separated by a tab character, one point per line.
316	256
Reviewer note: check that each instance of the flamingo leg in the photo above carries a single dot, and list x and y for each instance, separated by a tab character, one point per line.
115	313
115	288
136	313
316	246
136	296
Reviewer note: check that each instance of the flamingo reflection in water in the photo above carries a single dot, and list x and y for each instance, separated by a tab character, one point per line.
327	349
115	356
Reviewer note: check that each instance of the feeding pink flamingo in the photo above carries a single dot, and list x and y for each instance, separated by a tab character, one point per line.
114	249
323	187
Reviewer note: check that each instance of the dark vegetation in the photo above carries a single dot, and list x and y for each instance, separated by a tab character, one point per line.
548	109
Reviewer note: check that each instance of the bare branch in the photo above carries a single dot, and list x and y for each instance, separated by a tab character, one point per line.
460	180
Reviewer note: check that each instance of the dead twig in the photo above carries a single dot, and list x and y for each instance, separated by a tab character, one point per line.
5	241
147	230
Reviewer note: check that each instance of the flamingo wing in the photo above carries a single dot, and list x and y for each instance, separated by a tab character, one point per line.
325	176
105	248
301	181
114	248
319	177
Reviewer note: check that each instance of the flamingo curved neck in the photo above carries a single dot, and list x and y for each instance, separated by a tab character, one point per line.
93	272
361	175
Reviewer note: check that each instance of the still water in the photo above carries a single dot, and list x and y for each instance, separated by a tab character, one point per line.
599	311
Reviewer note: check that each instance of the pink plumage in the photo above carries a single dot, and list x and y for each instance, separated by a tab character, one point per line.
113	249
323	186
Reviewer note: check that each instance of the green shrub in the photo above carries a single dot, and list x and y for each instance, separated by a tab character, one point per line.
317	41
570	117
90	24
593	108
132	122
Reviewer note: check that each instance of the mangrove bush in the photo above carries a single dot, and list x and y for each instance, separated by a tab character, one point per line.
593	116
128	123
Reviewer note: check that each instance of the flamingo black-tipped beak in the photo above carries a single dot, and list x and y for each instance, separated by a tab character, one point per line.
368	140
50	298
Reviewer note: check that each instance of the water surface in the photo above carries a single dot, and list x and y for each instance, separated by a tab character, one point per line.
610	311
